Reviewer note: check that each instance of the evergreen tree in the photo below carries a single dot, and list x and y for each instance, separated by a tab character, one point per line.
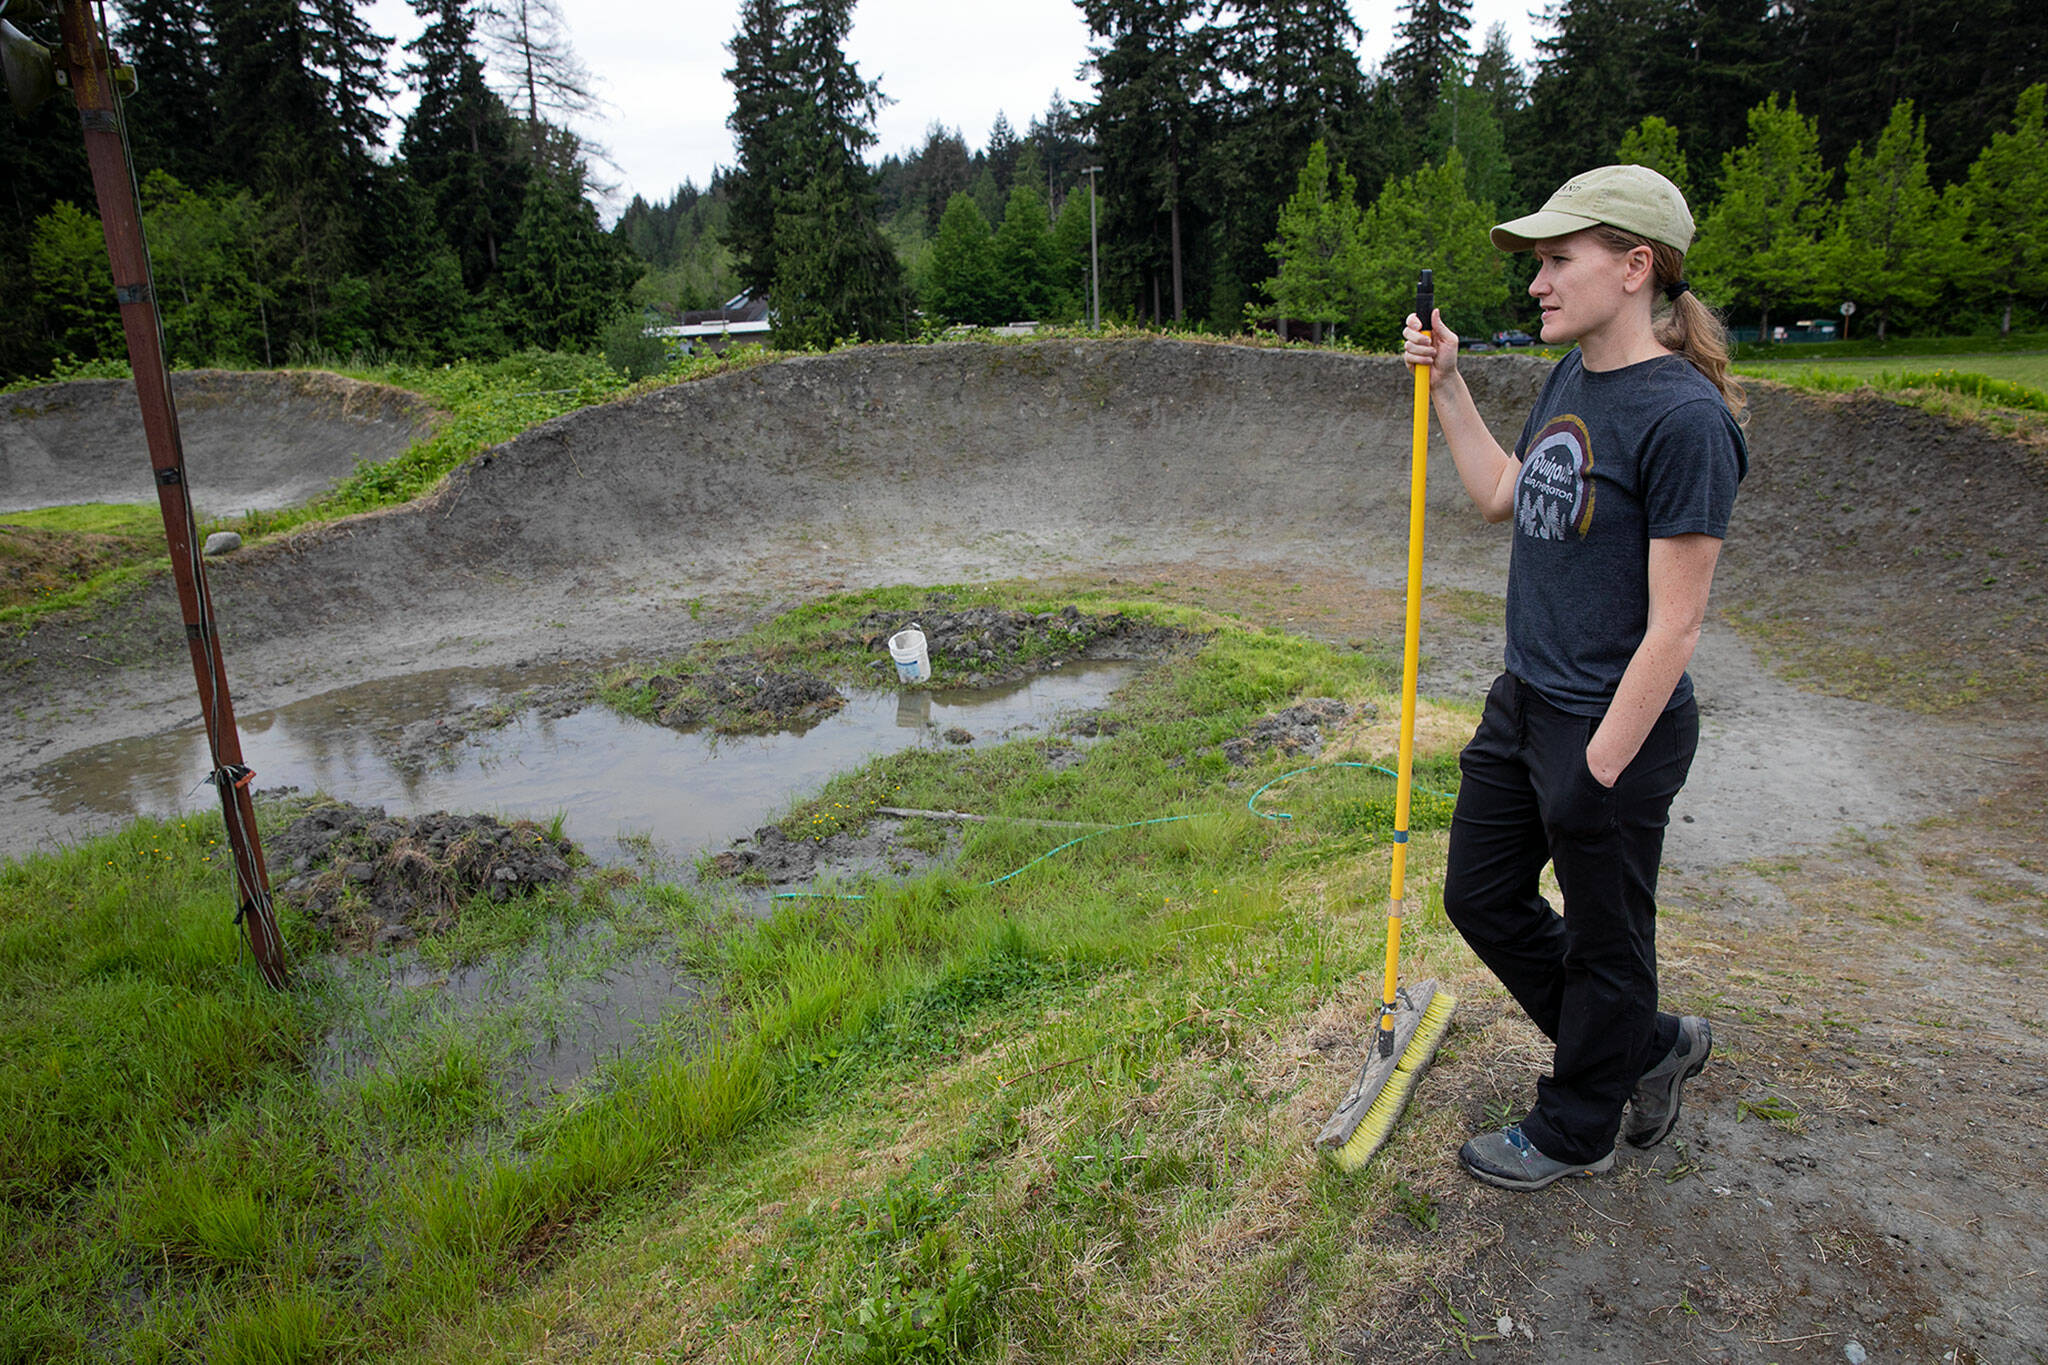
1150	70
458	143
563	278
836	275
764	120
1594	75
682	240
424	308
964	283
1761	245
940	170
1962	62
1654	143
1030	171
983	188
42	163
1061	140
837	278
1709	62
299	80
1497	75
1884	244
1024	256
804	222
1002	152
1319	277
171	115
2005	241
1431	43
1428	221
1290	71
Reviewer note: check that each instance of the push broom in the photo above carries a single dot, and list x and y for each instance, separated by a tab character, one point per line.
1413	1019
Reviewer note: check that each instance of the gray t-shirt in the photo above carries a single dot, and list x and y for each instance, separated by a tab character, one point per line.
1610	461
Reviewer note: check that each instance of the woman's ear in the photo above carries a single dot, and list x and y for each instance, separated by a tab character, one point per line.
1639	269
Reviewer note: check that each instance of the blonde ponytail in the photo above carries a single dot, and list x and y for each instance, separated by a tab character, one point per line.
1685	325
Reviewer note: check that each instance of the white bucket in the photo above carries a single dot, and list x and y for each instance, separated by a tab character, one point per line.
907	648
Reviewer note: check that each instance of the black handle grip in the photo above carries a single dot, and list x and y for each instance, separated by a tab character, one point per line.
1425	298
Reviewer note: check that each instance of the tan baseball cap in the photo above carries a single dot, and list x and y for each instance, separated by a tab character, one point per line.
1633	198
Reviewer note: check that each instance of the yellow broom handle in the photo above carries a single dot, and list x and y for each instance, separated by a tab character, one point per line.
1411	652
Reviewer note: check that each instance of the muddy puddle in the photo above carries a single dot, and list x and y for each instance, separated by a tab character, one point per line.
611	777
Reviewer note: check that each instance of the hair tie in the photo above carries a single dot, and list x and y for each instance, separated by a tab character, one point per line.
1672	291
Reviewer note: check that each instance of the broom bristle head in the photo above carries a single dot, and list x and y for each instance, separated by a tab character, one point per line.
1377	1124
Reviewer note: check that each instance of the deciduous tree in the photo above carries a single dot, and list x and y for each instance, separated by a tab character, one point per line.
2005	239
1428	221
1761	244
1885	239
1320	276
1654	143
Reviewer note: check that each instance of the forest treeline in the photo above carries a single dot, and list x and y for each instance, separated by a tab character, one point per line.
1889	152
279	228
1251	168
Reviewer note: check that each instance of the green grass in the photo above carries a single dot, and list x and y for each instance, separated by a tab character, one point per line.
2029	371
918	1126
142	519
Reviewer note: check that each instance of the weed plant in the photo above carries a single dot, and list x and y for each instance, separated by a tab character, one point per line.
960	1115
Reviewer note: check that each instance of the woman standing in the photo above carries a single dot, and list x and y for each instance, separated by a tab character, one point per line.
1620	489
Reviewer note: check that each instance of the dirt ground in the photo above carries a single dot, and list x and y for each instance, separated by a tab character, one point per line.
252	441
1855	883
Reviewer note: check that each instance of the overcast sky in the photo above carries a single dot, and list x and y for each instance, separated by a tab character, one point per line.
660	68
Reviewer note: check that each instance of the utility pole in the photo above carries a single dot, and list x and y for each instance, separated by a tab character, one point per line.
89	68
1094	260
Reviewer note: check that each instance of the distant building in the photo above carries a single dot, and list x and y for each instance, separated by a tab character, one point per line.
744	318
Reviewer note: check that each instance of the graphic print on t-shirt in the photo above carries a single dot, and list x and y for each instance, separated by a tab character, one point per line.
1555	491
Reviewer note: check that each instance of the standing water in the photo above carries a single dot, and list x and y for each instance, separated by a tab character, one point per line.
608	775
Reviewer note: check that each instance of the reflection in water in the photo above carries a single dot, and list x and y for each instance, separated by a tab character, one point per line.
607	774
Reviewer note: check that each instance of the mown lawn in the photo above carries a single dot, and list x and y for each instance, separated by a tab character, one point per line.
2030	370
1066	1113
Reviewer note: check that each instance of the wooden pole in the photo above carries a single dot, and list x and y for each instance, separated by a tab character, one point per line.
89	63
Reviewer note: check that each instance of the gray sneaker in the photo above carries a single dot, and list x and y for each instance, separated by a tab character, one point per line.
1654	1107
1508	1159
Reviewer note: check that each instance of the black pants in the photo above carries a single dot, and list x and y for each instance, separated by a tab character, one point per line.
1588	977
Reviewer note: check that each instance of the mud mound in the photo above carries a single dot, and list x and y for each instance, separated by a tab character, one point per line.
739	695
252	441
1296	732
773	858
984	646
371	878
